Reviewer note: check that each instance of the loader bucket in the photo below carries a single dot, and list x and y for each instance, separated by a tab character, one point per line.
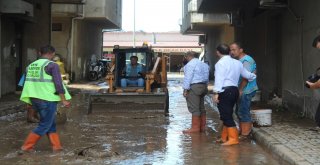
156	102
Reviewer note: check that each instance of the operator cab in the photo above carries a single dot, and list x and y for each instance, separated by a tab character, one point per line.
152	97
122	58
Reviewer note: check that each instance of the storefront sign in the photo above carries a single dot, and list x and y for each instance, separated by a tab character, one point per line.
168	50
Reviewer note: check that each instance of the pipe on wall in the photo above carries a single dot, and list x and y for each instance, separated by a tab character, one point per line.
72	39
299	20
0	60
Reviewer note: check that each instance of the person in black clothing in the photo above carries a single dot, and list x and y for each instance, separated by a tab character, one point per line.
316	85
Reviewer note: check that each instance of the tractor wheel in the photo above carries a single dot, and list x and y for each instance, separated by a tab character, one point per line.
93	76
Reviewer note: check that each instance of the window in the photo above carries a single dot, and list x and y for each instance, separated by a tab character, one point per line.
57	27
141	57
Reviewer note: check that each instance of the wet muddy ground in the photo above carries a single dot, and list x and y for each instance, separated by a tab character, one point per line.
128	138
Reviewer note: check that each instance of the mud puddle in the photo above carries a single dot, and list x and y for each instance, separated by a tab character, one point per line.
129	138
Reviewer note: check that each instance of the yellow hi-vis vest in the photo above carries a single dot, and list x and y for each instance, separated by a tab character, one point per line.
61	67
38	84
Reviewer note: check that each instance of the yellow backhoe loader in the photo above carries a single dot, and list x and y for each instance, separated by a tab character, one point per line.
152	97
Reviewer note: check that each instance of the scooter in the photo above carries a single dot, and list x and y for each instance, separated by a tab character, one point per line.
96	70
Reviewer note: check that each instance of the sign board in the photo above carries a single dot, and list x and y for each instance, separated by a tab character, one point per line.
107	55
169	50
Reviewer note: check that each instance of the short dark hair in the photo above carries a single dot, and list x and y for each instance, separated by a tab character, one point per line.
192	54
239	44
133	57
223	49
47	49
315	41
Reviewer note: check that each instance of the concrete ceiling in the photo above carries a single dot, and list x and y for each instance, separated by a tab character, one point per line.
68	1
224	6
102	22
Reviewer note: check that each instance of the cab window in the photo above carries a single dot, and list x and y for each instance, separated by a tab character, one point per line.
141	57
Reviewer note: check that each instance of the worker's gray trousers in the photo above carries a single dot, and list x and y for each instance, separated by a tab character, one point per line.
195	99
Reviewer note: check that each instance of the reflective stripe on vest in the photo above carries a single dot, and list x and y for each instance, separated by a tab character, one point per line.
41	79
39	84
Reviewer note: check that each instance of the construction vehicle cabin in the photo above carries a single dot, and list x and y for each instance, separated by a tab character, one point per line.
151	97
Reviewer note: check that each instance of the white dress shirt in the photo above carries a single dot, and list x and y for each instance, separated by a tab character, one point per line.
227	73
195	71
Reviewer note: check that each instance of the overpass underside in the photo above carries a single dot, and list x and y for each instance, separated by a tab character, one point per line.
278	34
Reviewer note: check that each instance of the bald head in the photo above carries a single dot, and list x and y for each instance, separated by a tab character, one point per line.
191	54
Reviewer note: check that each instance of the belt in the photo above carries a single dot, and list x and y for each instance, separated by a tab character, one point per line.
199	83
229	87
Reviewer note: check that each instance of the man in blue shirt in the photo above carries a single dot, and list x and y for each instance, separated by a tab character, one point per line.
195	82
133	73
247	89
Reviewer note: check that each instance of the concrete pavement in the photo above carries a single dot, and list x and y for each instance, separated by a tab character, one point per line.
10	104
292	140
295	141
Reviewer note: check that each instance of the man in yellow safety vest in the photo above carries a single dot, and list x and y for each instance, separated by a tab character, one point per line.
43	89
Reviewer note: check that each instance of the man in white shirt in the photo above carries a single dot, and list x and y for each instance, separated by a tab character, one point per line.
196	78
226	93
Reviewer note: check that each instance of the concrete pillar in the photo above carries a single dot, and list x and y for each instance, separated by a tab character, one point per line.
38	33
0	59
61	40
218	35
213	39
85	43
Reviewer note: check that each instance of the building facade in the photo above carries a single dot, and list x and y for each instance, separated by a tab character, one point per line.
173	44
78	32
25	25
74	27
212	28
278	34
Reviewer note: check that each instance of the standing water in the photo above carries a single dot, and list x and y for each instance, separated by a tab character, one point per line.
129	138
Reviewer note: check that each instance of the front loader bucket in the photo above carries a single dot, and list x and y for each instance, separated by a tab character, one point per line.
129	102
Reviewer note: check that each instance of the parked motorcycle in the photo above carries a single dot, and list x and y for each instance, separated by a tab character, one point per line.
97	69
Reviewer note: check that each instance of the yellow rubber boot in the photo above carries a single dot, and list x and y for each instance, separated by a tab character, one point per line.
224	135
233	136
30	142
240	127
55	141
203	122
195	125
245	128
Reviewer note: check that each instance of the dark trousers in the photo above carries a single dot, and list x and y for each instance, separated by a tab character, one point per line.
227	100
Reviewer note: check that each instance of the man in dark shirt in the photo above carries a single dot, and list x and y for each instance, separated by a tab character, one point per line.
316	85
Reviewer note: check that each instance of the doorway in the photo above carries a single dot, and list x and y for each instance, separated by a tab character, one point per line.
16	52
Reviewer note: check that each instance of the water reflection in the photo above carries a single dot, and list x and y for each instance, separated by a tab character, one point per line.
130	138
231	155
174	152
